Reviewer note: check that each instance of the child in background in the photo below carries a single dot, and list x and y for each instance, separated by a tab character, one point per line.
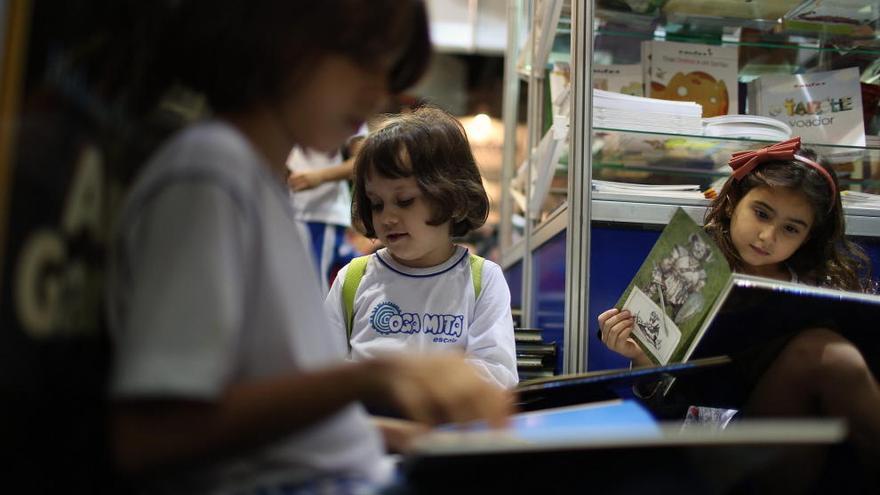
416	187
226	377
780	216
322	202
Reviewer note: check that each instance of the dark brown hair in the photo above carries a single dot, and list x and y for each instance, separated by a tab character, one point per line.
826	257
241	52
431	146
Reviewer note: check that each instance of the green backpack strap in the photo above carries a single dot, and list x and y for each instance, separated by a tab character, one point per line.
355	273
353	277
477	274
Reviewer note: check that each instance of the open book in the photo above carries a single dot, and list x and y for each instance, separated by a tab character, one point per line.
610	447
688	304
602	385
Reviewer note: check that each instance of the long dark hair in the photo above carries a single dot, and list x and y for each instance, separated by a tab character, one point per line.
826	258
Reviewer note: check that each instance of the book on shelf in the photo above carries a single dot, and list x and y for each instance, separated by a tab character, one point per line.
621	111
534	357
528	335
687	303
604	185
529	362
536	349
705	74
545	161
860	199
737	9
756	60
682	191
838	17
619	7
820	107
675	154
560	88
619	78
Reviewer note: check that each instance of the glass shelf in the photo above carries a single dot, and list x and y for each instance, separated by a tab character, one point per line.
656	158
747	143
700	19
766	46
756	39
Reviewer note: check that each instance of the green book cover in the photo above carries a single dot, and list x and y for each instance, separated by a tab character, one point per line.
674	289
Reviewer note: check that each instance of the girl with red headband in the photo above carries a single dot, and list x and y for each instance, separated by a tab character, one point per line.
780	216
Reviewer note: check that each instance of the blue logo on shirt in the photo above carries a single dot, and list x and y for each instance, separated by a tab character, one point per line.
387	318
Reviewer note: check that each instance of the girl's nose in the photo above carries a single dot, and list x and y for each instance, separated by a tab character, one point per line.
767	234
389	218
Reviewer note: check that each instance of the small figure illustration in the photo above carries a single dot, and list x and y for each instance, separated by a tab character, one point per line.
681	275
651	328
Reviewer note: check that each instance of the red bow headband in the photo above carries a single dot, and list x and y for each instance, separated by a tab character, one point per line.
743	162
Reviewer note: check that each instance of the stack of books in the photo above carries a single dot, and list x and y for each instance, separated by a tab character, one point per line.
637	113
678	191
858	199
534	357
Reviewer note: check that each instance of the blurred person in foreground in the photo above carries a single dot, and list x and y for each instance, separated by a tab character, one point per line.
226	378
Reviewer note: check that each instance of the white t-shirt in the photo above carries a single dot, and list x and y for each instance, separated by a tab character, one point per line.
403	309
329	202
204	293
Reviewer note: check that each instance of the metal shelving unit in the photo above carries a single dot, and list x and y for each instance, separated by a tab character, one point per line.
589	26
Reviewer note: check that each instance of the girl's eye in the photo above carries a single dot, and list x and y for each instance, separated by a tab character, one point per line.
761	213
791	229
376	206
403	203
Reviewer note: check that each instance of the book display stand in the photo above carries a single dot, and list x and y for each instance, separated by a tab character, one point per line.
587	249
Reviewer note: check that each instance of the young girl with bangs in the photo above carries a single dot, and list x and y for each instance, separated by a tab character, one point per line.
780	216
417	187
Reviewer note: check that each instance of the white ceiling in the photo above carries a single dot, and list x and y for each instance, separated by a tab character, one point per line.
468	26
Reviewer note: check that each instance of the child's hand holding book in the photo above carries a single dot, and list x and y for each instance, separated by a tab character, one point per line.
616	333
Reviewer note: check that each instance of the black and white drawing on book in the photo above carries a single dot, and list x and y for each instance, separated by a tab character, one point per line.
679	277
652	326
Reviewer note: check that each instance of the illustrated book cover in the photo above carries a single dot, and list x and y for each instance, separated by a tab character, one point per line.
705	74
619	78
687	303
821	107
